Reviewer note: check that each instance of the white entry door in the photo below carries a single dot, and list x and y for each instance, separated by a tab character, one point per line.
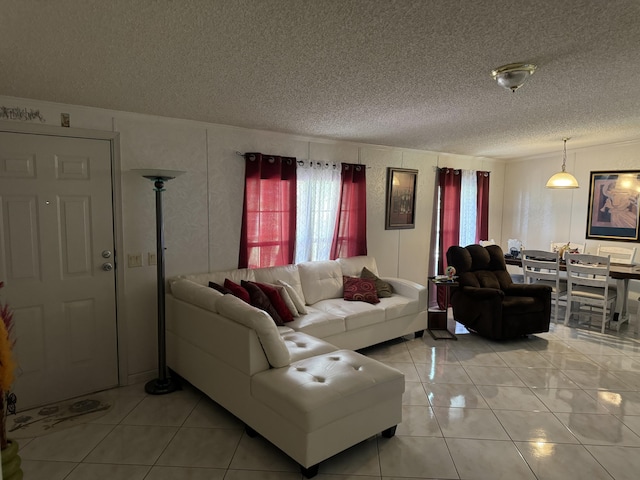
56	260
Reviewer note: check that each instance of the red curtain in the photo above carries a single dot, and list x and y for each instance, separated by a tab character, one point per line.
450	186
350	233
268	232
482	217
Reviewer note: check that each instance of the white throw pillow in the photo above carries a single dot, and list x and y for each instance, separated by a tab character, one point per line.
298	302
284	294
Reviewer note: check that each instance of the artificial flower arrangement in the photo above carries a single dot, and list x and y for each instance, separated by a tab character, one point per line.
7	367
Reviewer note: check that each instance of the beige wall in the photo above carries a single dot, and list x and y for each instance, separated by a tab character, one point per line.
538	216
204	206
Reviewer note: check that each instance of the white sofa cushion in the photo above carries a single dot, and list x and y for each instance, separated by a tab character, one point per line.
355	314
286	273
352	266
317	391
303	346
320	280
195	293
259	320
318	323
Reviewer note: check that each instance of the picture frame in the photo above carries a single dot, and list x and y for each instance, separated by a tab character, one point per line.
401	198
613	205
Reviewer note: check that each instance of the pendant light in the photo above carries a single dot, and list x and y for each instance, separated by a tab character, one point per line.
563	179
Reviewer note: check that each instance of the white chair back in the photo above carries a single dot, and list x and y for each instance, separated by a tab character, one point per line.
588	284
618	254
539	266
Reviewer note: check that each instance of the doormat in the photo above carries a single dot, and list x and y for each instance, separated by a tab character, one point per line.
52	418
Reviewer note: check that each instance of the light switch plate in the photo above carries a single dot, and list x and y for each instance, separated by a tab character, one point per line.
134	260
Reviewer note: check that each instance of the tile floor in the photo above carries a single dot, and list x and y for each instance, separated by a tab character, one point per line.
561	405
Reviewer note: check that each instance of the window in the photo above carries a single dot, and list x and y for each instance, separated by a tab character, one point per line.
317	206
317	211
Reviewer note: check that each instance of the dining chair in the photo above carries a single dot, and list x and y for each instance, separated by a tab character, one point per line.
588	284
621	255
540	266
617	254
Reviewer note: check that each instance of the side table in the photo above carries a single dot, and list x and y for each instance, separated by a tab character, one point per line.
437	318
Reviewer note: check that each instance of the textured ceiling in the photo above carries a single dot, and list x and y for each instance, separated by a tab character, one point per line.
404	73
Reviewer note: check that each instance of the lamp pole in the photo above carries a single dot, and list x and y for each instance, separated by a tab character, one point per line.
164	383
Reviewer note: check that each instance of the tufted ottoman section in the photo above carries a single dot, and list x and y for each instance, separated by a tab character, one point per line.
314	392
301	345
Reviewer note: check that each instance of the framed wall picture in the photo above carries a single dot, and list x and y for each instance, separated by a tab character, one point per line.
401	198
613	205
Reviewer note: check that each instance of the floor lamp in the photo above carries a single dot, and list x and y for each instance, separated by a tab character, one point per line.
163	384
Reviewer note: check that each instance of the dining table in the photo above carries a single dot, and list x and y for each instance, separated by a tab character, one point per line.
620	272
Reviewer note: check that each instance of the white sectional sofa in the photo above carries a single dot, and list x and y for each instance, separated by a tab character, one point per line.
301	386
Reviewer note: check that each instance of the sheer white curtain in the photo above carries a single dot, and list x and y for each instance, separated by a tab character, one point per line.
317	203
468	207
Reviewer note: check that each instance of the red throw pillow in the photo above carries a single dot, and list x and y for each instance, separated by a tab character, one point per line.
276	300
360	290
260	300
237	290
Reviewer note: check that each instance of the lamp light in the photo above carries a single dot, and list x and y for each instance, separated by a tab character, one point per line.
163	384
563	179
513	75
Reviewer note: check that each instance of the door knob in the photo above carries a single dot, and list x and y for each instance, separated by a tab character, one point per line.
107	267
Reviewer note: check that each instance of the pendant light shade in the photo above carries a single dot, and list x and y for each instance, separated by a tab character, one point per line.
563	179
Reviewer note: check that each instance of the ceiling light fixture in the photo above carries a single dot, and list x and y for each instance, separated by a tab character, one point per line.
514	75
563	179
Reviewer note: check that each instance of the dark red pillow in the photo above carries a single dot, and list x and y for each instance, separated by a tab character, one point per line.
360	290
260	300
237	290
276	300
220	288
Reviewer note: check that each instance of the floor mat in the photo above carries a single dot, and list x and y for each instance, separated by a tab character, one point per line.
51	418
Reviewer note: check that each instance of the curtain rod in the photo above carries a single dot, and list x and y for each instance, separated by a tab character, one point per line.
451	168
301	161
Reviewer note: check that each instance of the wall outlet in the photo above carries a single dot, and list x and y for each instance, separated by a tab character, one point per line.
134	260
152	259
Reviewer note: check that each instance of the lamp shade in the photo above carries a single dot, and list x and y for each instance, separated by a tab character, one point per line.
562	180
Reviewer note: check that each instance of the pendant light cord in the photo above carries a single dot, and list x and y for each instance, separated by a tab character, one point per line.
564	155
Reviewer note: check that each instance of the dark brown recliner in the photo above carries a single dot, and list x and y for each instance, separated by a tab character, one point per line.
488	302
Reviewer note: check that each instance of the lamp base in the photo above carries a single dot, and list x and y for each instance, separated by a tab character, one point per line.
161	387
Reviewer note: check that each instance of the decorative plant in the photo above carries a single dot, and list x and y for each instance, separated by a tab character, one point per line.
7	367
